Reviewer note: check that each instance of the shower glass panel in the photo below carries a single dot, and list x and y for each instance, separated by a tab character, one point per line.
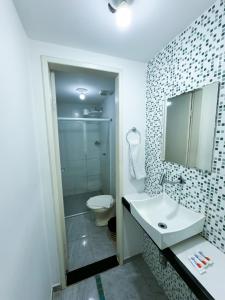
72	156
93	156
85	162
105	157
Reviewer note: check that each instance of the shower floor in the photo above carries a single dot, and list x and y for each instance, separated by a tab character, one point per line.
76	204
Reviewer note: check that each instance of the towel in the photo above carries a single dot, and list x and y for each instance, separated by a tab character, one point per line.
136	158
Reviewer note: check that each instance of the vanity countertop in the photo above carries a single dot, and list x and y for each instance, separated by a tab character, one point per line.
136	197
213	279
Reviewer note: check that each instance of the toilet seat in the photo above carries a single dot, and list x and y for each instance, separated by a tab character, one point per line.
101	201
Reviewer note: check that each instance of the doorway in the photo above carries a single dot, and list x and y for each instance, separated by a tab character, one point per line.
86	143
86	116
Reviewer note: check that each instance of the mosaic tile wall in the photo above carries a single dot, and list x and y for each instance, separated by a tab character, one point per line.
175	288
193	59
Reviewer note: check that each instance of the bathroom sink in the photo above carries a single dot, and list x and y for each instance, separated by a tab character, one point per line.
166	221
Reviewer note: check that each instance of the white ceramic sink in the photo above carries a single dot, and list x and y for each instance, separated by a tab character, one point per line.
180	222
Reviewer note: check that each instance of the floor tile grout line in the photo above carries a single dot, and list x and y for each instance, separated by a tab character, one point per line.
100	287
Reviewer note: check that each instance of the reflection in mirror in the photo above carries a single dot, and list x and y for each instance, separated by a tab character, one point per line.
190	121
178	112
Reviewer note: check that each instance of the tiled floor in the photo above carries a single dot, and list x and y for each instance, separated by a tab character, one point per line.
76	204
133	281
86	242
84	290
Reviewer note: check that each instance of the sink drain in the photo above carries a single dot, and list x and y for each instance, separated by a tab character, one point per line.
162	225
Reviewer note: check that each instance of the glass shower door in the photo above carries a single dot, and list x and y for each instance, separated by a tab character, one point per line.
105	157
73	158
98	158
85	157
93	157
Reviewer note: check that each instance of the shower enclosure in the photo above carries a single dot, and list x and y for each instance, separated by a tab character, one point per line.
85	160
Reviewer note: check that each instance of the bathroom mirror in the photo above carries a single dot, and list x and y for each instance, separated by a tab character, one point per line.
189	128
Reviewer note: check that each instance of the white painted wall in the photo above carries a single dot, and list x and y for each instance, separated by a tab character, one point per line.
133	114
133	236
24	262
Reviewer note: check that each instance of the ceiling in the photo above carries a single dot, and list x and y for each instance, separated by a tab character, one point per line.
88	24
67	81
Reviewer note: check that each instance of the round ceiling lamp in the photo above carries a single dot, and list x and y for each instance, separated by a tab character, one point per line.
82	93
122	10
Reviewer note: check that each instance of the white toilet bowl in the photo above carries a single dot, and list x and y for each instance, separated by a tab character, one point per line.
103	207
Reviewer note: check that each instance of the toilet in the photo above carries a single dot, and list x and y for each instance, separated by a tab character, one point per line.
103	207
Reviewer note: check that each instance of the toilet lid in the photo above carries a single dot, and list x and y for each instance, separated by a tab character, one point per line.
101	201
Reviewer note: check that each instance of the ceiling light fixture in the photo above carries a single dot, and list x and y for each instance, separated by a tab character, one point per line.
82	96
123	16
82	93
123	12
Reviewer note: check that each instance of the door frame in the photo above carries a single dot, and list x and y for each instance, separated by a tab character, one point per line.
54	155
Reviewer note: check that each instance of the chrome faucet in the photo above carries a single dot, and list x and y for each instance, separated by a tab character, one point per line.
163	180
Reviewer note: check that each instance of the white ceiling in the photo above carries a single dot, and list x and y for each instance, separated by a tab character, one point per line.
88	24
68	81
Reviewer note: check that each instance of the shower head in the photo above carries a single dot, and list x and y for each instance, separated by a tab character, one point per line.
106	93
